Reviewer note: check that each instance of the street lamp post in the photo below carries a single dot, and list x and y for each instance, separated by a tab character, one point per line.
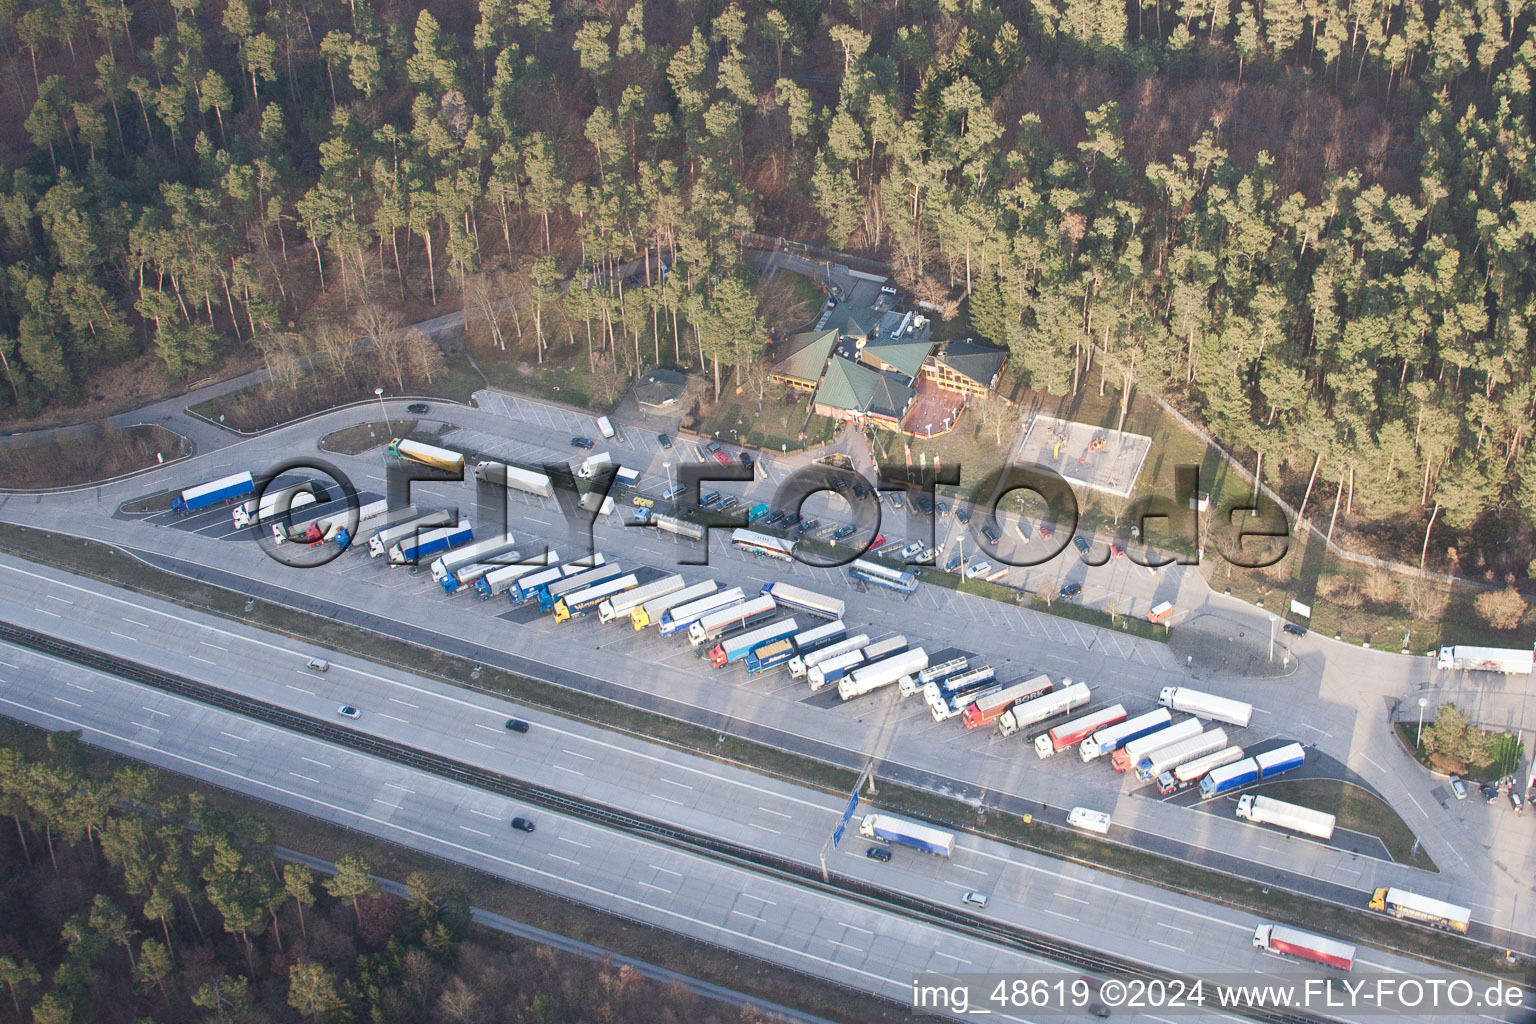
379	392
1418	739
668	467
1273	618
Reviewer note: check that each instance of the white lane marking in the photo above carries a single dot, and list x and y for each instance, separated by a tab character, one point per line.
300	689
306	778
162	714
136	622
392	718
47	612
232	736
1373	762
668	800
648	885
488	728
765	828
770	810
216	647
1074	899
221	750
477	743
71	703
566	859
845	945
402	789
476	831
1174	927
1064	917
58	599
974	871
205	661
311	760
493	817
940	952
563	768
407	703
671	783
573	842
679	874
1177	949
124	636
77	686
584	757
743	913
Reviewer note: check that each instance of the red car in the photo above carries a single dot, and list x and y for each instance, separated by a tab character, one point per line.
1118	549
877	542
723	457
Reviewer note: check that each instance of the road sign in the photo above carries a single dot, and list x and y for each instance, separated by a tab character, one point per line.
837	835
853	803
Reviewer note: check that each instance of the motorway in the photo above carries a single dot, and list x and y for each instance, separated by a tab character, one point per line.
835	937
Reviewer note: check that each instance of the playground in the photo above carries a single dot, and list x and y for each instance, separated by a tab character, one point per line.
1086	455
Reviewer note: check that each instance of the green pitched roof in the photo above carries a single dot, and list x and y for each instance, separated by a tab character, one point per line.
904	354
980	363
853	321
806	355
856	388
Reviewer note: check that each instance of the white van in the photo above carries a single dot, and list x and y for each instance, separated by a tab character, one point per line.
1089	820
604	427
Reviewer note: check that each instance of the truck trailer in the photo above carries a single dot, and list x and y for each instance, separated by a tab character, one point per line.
620	605
501	578
225	488
1125	759
933	673
1513	662
652	610
802	600
771	656
515	478
801	664
1070	734
834	669
891	829
679	618
412	550
1191	772
1277	938
1049	705
336	526
593	465
943	694
957	703
427	455
389	534
871	677
1206	705
1229	777
885	648
739	616
1412	907
1169	756
1264	810
551	593
990	709
590	599
1116	736
272	505
735	648
678	527
446	565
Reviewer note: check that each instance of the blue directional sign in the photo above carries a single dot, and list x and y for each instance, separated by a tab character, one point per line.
837	836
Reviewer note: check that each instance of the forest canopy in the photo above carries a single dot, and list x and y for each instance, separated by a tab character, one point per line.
190	177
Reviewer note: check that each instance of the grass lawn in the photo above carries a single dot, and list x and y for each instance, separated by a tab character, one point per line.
563	376
264	406
366	436
94	452
736	419
1357	811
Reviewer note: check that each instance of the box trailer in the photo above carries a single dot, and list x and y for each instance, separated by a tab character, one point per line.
1116	736
885	648
1089	820
225	488
272	505
620	605
515	478
942	695
802	600
1033	712
388	535
989	710
891	829
427	455
1412	907
652	610
871	677
738	616
1206	705
822	635
590	599
526	587
447	564
1264	810
1513	662
412	550
1070	734
337	526
1191	772
834	669
1169	756
736	648
801	664
680	617
1280	760
1277	938
945	708
1229	777
593	465
771	656
1124	759
502	578
552	592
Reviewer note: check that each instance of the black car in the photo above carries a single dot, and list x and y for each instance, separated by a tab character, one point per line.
962	513
709	499
522	824
1295	630
876	853
809	525
895	499
517	725
582	442
943	510
791	519
1490	792
774	519
746	460
990	534
727	504
859	490
418	408
926	505
1081	545
664	440
841	532
1070	590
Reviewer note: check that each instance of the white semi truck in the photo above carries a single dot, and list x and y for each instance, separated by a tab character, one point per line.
1206	705
1033	712
1267	811
1514	662
868	678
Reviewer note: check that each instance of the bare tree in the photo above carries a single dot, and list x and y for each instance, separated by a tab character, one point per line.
996	416
487	307
755	381
375	321
284	355
338	344
391	358
606	383
1501	609
423	357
